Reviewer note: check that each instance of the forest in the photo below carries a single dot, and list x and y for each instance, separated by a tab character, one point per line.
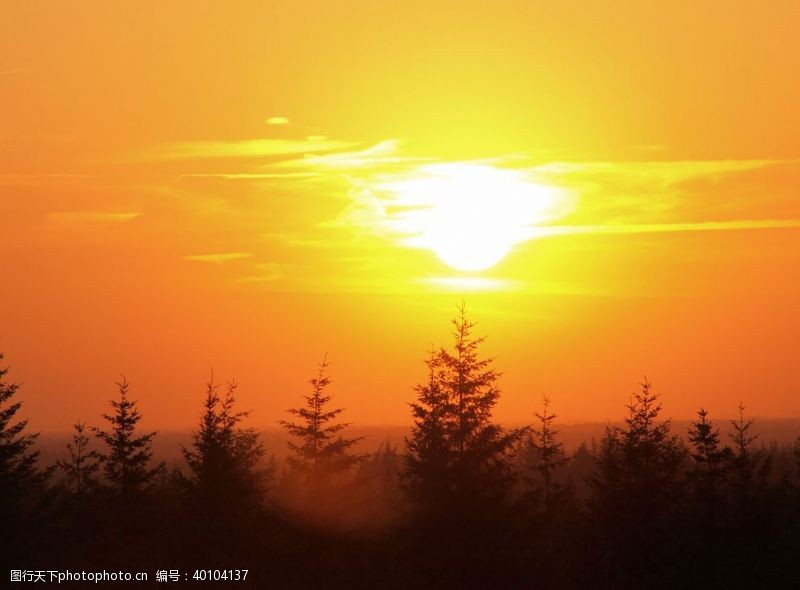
464	503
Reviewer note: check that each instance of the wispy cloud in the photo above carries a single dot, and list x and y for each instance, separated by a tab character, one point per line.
39	179
277	121
92	216
244	148
264	273
218	258
382	154
648	228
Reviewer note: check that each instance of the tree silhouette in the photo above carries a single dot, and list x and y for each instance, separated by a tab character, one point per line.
480	447
549	455
429	456
322	455
748	464
79	470
710	459
458	466
126	460
223	457
637	491
20	476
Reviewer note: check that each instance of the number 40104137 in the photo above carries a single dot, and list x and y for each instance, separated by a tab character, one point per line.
219	575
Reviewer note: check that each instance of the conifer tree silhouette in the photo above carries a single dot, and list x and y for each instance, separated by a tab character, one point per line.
549	454
636	491
457	461
126	459
79	470
710	459
223	457
748	465
480	467
322	455
20	475
429	456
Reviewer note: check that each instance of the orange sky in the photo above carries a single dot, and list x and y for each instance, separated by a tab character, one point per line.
188	185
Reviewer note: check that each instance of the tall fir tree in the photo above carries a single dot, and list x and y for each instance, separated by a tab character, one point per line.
636	492
321	456
224	457
126	460
458	457
749	465
481	470
428	453
80	469
710	460
20	475
548	457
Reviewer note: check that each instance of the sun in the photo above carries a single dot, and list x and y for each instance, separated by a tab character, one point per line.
469	215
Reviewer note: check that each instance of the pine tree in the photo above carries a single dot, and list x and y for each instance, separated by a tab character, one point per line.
223	458
79	470
126	460
549	454
428	457
709	457
322	455
749	465
20	476
458	458
636	491
480	447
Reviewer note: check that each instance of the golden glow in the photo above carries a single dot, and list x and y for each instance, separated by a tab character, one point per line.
470	215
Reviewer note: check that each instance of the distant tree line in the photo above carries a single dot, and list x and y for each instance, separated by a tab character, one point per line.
467	503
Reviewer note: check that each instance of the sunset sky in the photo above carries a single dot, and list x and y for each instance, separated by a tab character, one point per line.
244	186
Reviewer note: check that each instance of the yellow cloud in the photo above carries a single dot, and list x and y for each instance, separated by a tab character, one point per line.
245	148
218	258
646	228
264	273
92	216
277	121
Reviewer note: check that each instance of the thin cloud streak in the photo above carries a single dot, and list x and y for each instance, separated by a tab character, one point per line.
245	148
647	228
92	216
218	258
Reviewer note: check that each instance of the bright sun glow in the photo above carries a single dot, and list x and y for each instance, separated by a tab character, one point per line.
470	215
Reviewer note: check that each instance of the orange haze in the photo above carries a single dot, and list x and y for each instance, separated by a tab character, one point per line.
196	185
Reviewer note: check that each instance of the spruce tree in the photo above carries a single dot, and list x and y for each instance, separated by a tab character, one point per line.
223	457
709	457
428	454
126	459
458	458
637	492
549	454
79	470
480	447
20	476
748	465
321	455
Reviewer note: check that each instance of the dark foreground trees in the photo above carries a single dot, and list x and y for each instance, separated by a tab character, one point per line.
21	478
469	504
321	459
457	465
226	480
127	454
637	493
